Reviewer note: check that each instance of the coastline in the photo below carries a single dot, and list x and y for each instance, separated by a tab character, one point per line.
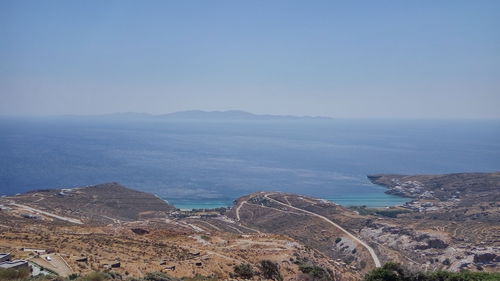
376	199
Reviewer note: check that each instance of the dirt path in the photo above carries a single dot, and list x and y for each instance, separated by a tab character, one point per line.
268	244
76	221
209	224
226	257
237	211
237	230
370	249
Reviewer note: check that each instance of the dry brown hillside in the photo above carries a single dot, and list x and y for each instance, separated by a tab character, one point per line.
101	203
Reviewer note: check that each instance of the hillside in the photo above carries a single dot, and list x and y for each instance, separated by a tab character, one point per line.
102	203
452	224
112	228
470	186
457	197
317	223
92	228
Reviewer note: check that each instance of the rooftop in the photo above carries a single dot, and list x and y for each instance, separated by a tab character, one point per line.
11	264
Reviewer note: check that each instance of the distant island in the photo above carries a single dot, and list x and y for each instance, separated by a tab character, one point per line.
234	115
201	115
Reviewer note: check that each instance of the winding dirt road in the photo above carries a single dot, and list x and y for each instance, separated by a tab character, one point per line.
237	211
370	249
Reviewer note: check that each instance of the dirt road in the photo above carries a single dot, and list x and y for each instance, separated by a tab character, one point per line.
370	249
28	208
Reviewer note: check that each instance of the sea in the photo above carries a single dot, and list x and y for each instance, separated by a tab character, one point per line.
210	163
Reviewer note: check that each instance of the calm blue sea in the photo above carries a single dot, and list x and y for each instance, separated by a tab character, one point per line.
196	164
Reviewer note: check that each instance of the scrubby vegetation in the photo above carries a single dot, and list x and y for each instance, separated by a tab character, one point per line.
244	271
199	277
317	273
395	272
270	270
391	213
205	237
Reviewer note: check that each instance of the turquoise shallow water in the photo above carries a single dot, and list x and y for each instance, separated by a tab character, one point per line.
371	200
185	204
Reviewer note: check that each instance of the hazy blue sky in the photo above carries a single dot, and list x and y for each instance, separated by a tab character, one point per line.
429	59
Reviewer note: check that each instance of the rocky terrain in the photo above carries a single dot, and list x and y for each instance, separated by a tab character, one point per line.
470	188
101	228
471	198
452	223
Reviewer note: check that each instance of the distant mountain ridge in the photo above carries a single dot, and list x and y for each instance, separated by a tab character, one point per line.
231	115
200	115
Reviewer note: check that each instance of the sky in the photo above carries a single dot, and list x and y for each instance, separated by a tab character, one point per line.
349	59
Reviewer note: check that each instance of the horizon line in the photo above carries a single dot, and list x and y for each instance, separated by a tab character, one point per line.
284	116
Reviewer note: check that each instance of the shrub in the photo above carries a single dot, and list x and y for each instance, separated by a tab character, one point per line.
390	272
462	276
270	270
395	272
391	213
95	276
158	276
243	270
199	277
318	273
338	240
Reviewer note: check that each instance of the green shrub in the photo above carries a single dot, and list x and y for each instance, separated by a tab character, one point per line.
270	270
391	213
158	276
389	272
244	271
463	276
395	272
200	277
316	272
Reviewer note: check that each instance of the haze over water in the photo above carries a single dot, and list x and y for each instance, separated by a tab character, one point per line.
363	60
210	163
